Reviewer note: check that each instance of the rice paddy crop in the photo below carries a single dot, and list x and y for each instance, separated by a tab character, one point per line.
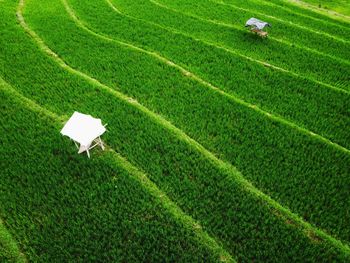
220	146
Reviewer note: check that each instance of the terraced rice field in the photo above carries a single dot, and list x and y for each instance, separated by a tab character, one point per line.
340	8
221	146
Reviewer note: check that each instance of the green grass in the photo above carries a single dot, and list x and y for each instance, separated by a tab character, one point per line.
235	16
340	6
295	99
295	59
258	154
104	212
295	15
300	9
9	251
195	206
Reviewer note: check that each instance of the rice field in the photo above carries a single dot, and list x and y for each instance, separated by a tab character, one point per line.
221	146
340	8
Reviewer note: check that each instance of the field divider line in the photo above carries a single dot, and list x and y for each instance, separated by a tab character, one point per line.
285	22
334	21
227	168
237	28
289	10
198	79
234	52
178	214
9	244
330	13
114	7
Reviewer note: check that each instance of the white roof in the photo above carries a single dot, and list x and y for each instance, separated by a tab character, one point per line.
256	23
83	128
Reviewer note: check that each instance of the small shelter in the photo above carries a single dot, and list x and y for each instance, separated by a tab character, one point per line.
84	130
257	26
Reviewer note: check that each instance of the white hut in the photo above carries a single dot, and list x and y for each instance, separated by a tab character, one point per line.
84	130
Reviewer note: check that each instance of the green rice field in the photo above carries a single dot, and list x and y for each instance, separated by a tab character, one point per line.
221	146
335	7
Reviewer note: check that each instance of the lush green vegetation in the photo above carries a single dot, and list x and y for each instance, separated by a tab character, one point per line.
300	9
294	13
196	206
9	250
292	58
341	6
233	15
102	212
257	155
290	13
292	96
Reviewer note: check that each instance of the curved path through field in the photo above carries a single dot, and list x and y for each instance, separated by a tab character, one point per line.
183	219
194	181
270	57
189	74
